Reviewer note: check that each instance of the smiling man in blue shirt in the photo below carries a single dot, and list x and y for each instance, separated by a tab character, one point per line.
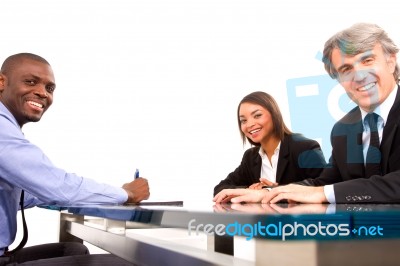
27	84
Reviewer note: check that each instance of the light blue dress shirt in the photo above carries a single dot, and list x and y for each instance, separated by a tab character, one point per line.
24	166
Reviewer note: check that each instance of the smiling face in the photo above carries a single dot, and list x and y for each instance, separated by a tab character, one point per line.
367	77
255	122
26	89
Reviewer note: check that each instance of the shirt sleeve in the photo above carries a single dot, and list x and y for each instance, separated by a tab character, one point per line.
24	165
329	193
31	201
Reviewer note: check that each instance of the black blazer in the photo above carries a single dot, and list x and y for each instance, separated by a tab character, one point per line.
347	161
299	158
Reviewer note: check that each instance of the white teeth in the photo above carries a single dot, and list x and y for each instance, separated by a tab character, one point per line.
254	131
367	87
35	104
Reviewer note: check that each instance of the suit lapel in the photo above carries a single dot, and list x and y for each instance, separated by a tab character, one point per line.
256	166
357	166
353	129
386	146
389	132
283	159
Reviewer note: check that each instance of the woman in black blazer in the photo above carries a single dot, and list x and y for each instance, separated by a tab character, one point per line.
278	156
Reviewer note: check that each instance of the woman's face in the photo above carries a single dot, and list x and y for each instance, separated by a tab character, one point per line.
255	122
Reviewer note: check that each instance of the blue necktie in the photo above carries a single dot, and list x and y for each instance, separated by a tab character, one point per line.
373	158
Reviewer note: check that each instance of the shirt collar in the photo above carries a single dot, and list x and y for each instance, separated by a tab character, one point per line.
8	115
384	108
262	153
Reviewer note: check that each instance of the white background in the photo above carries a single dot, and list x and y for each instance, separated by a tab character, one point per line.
155	85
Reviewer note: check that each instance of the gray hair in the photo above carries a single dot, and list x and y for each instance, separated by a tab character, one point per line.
359	38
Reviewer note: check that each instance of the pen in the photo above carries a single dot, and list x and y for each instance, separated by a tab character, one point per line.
137	173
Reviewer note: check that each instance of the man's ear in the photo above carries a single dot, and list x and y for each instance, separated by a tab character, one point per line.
2	82
392	61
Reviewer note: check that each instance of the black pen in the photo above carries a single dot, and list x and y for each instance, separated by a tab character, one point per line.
137	173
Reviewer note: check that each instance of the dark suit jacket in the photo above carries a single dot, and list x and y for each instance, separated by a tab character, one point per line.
299	158
347	161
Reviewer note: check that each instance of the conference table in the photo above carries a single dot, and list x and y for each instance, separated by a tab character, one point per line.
283	234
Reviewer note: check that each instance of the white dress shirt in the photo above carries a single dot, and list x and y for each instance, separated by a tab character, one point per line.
268	168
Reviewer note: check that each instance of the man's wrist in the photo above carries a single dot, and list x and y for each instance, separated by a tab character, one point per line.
130	196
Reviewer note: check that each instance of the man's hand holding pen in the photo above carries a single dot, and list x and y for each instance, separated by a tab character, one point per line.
137	190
